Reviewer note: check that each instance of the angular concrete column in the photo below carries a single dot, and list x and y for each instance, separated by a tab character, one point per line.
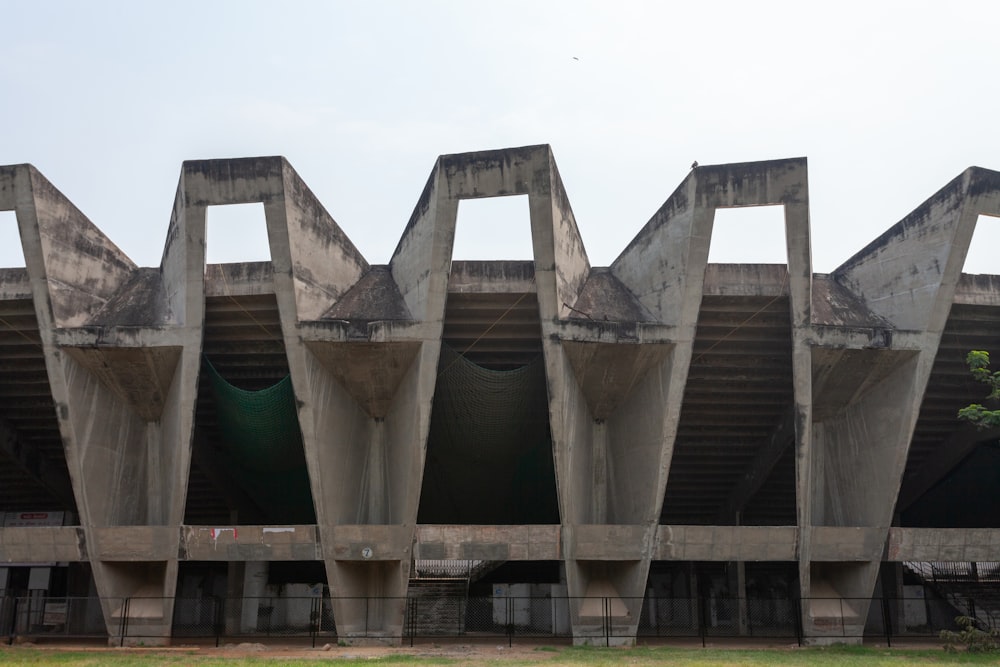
590	474
119	409
664	267
583	461
868	400
357	438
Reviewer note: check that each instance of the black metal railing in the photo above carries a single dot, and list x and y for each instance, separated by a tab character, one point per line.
604	621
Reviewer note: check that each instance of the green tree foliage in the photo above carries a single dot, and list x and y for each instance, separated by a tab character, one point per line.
979	364
970	637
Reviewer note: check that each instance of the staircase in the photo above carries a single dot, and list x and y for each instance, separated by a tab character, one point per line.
436	606
438	595
972	589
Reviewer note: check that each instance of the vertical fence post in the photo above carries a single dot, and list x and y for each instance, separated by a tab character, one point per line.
798	620
701	618
414	609
887	620
607	621
313	621
220	618
13	622
509	617
123	627
27	625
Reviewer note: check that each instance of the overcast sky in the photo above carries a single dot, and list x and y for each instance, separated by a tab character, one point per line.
888	100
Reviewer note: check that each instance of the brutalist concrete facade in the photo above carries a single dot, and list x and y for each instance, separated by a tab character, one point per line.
628	354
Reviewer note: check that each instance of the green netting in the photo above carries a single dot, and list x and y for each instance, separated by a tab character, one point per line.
263	449
489	454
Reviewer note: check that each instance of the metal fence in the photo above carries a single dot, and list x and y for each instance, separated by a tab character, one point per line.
600	620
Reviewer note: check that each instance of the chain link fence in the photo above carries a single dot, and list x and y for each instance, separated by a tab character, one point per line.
600	620
65	617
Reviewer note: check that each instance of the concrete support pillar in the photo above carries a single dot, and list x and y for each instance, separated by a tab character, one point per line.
867	400
255	575
738	588
126	438
370	602
233	611
694	597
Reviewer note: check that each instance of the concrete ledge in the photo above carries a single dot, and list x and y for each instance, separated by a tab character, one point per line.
978	290
726	543
746	280
368	542
380	331
133	543
43	544
250	543
943	544
585	331
841	544
488	542
850	338
603	542
14	284
120	337
444	542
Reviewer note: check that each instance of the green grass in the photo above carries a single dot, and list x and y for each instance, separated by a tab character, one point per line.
549	656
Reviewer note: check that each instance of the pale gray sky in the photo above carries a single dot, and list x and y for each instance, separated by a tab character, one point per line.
888	100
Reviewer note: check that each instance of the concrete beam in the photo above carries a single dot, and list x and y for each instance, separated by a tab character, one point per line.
250	543
726	543
943	544
494	543
43	544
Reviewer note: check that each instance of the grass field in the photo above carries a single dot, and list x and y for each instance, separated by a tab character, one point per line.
549	656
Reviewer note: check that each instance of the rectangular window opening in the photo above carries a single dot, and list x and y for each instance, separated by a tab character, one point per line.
493	228
982	257
11	251
749	235
236	233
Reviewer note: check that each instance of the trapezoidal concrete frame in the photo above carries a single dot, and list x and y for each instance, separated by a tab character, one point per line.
122	348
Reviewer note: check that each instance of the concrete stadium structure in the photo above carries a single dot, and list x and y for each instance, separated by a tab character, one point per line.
690	412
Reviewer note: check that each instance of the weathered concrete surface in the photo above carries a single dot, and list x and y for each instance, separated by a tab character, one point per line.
943	544
494	543
43	544
727	543
122	351
506	543
250	543
908	277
